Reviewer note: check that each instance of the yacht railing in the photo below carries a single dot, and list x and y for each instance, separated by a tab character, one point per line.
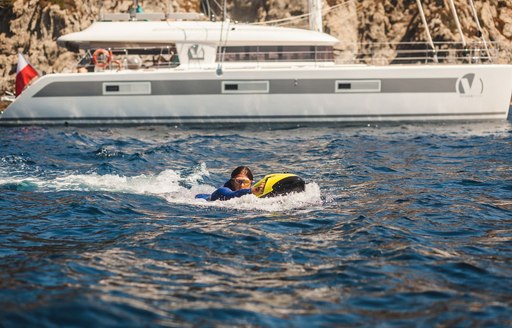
375	53
384	53
378	53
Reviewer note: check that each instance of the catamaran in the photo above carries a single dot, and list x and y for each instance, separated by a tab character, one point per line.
152	68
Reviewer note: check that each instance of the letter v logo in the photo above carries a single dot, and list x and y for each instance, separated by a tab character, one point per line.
470	85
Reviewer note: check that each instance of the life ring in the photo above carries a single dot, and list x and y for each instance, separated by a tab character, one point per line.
102	63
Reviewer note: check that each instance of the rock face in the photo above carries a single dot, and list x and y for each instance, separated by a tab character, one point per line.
32	26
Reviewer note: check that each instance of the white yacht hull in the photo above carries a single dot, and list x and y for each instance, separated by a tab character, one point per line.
332	93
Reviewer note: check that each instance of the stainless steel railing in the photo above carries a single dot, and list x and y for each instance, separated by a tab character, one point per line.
379	53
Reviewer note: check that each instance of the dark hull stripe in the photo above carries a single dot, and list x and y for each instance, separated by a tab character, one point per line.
278	86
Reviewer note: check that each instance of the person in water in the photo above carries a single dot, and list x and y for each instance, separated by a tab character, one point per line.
238	186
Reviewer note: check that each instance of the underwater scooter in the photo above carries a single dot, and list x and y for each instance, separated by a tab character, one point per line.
278	184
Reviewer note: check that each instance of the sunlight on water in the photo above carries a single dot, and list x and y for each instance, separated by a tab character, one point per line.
399	225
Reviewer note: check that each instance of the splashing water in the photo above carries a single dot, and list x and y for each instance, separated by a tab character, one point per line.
404	225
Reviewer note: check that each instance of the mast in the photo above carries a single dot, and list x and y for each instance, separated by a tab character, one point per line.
220	51
315	15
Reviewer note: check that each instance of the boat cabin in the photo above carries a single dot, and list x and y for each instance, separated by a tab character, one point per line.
171	42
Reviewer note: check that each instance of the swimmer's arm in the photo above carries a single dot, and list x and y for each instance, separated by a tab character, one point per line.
225	193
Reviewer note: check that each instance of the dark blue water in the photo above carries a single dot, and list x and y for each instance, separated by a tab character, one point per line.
405	225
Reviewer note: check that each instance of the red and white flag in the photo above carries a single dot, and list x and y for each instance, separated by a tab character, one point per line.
24	74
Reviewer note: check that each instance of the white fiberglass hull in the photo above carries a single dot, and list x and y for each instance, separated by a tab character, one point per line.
273	95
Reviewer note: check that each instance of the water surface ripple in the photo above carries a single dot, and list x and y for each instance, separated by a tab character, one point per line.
400	226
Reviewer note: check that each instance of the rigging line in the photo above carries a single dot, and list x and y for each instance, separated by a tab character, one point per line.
218	4
343	4
205	6
427	31
303	16
473	9
457	22
288	19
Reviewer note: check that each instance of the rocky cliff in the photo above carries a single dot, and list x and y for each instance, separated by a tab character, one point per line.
32	26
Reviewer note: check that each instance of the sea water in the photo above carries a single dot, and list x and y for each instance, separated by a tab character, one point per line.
400	225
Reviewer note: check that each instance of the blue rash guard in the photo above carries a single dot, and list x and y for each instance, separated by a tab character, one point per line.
225	193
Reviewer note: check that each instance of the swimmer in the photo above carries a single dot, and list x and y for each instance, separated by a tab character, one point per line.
238	186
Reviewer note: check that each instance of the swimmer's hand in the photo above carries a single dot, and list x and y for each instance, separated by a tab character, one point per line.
257	190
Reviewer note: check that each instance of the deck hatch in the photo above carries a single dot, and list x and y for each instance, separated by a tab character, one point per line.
245	87
126	88
358	86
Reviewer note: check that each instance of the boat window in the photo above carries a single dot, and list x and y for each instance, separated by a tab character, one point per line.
269	53
276	53
324	53
358	86
126	88
230	87
111	88
245	87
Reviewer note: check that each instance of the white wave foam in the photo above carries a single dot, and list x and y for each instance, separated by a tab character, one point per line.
166	181
310	197
171	186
